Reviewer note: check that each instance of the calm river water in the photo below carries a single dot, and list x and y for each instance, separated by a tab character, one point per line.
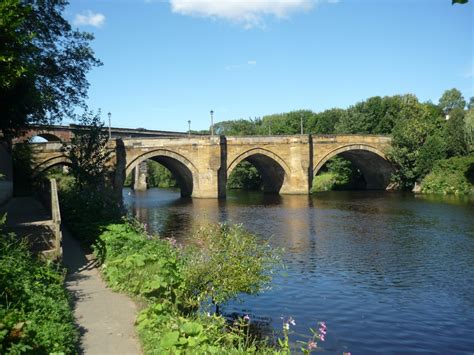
389	273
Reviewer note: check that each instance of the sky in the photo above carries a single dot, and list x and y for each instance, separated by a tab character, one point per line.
167	62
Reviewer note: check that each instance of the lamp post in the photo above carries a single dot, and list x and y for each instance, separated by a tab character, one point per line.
110	130
212	123
301	121
189	127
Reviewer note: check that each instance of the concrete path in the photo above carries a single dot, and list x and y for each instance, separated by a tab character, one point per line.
105	319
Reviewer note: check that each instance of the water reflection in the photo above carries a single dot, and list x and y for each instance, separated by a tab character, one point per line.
386	271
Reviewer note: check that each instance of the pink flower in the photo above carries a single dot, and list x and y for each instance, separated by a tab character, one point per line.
312	345
322	331
322	337
246	317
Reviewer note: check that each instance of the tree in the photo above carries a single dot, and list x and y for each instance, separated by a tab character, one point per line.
43	64
89	154
450	100
470	105
408	138
325	122
469	119
455	133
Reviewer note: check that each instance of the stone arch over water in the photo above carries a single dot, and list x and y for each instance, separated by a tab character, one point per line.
180	167
271	167
371	162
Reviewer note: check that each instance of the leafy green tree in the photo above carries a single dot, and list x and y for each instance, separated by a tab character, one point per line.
159	176
470	104
455	133
286	123
469	119
431	151
326	121
376	115
408	137
245	176
43	64
88	152
237	127
450	100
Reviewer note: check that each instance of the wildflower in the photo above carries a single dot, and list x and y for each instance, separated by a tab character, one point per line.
291	321
286	326
321	337
323	325
246	317
312	345
322	331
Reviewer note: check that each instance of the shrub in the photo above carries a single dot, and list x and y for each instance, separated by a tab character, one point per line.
168	279
35	316
451	176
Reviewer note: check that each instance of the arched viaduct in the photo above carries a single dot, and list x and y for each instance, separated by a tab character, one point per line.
202	164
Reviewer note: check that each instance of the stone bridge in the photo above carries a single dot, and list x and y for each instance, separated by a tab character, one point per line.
202	164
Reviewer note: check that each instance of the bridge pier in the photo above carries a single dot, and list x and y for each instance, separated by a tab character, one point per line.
139	177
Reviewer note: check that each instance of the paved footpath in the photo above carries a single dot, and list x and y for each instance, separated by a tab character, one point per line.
105	318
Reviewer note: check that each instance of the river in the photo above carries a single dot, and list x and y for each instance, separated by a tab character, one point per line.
388	272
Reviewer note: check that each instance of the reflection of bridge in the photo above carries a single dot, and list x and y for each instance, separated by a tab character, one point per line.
202	164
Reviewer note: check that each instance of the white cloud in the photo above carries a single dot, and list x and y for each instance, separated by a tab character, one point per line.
252	62
89	18
249	13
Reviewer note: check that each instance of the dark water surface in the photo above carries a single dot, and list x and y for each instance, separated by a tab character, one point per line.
389	273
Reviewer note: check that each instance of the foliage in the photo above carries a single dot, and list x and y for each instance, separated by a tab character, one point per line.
160	273
325	122
22	158
226	262
89	153
43	64
451	176
86	211
337	174
455	133
325	181
239	127
245	176
450	100
408	138
159	176
35	316
469	121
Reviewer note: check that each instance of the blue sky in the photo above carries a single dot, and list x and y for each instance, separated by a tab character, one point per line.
167	62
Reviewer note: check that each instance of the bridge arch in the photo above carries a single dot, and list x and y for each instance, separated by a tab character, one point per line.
48	137
271	167
51	162
371	162
182	169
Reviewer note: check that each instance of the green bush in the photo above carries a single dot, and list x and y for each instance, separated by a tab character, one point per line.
324	182
451	176
35	316
172	281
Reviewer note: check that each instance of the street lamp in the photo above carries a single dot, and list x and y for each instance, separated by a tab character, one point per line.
212	123
189	127
110	131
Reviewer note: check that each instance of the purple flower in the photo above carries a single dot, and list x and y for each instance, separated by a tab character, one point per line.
322	331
